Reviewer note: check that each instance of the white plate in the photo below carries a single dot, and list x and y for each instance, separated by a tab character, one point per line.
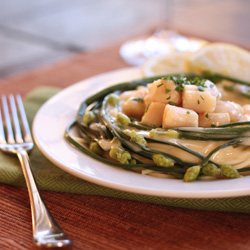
60	110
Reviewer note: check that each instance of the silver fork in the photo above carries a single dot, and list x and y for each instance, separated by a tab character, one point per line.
46	232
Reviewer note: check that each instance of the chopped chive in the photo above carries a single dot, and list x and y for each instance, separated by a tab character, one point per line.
159	85
208	116
170	78
200	88
138	100
179	88
198	101
188	112
147	108
172	103
168	97
201	97
167	91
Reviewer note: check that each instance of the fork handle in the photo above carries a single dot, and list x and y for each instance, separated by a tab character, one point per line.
46	232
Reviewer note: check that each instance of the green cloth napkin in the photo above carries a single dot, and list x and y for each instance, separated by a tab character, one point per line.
50	177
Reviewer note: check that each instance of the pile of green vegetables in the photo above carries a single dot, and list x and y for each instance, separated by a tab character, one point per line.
95	110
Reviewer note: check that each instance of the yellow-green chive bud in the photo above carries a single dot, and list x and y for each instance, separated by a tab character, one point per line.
95	148
192	173
169	133
211	170
172	134
133	161
138	138
125	157
113	99
88	117
114	151
122	119
120	155
127	132
162	161
152	133
229	171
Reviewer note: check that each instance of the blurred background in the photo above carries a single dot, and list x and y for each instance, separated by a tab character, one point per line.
37	33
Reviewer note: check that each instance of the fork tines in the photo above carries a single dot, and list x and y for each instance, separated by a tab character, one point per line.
13	116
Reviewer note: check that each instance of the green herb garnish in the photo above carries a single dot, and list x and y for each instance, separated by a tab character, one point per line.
207	116
159	85
201	88
172	103
138	100
147	108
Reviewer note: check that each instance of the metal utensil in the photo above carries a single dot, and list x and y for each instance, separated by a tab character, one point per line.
18	140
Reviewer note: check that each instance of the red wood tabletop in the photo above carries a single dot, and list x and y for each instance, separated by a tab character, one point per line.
95	222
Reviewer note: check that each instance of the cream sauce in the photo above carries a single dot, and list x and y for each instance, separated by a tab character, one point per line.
230	96
237	156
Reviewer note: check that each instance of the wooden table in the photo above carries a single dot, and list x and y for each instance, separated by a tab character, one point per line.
106	223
